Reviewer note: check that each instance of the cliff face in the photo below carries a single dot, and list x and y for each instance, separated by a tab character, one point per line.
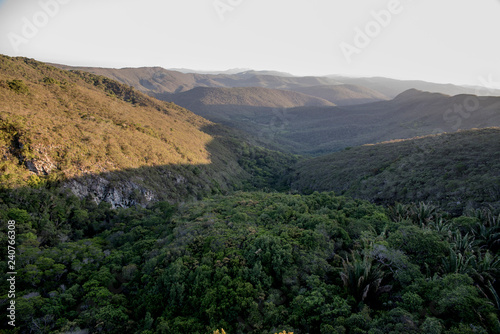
99	189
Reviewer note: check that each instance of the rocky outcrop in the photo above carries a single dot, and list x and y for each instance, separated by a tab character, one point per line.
41	163
118	194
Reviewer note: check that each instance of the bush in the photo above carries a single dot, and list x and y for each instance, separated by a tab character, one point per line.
50	81
18	86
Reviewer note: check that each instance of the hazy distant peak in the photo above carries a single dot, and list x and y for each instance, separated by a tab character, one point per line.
273	73
230	71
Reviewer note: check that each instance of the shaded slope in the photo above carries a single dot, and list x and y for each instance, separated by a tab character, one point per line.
459	170
247	109
254	111
413	113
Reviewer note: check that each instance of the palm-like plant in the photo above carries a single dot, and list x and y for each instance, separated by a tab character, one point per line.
362	277
457	263
484	215
486	268
463	244
485	272
494	295
423	214
441	226
488	235
398	212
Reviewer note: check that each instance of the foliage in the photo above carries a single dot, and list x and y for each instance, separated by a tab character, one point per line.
18	86
199	256
247	262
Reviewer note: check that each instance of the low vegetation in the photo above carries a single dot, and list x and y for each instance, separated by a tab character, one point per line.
457	171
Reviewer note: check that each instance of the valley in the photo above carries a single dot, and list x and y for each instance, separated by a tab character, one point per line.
151	201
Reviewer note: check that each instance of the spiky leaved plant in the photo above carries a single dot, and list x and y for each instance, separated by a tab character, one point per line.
361	276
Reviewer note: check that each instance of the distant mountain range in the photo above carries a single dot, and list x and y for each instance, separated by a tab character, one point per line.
157	81
392	87
412	113
315	115
232	71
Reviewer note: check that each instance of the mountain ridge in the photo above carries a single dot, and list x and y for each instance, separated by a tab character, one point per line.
387	87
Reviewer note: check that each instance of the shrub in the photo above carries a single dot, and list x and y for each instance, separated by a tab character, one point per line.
18	86
50	81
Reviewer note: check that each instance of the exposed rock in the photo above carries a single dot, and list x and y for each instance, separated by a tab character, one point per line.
31	166
40	166
120	194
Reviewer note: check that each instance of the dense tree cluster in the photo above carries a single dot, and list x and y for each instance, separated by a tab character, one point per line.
251	263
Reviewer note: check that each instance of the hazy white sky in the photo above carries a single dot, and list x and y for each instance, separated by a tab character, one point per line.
436	40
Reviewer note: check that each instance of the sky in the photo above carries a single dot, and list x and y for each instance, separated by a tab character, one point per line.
447	41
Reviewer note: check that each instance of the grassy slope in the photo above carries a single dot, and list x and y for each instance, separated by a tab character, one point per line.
456	170
71	125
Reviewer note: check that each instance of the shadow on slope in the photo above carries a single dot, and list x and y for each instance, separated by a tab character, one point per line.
234	165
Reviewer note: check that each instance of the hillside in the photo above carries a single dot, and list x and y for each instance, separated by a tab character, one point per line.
456	171
106	140
343	94
253	111
256	97
412	113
